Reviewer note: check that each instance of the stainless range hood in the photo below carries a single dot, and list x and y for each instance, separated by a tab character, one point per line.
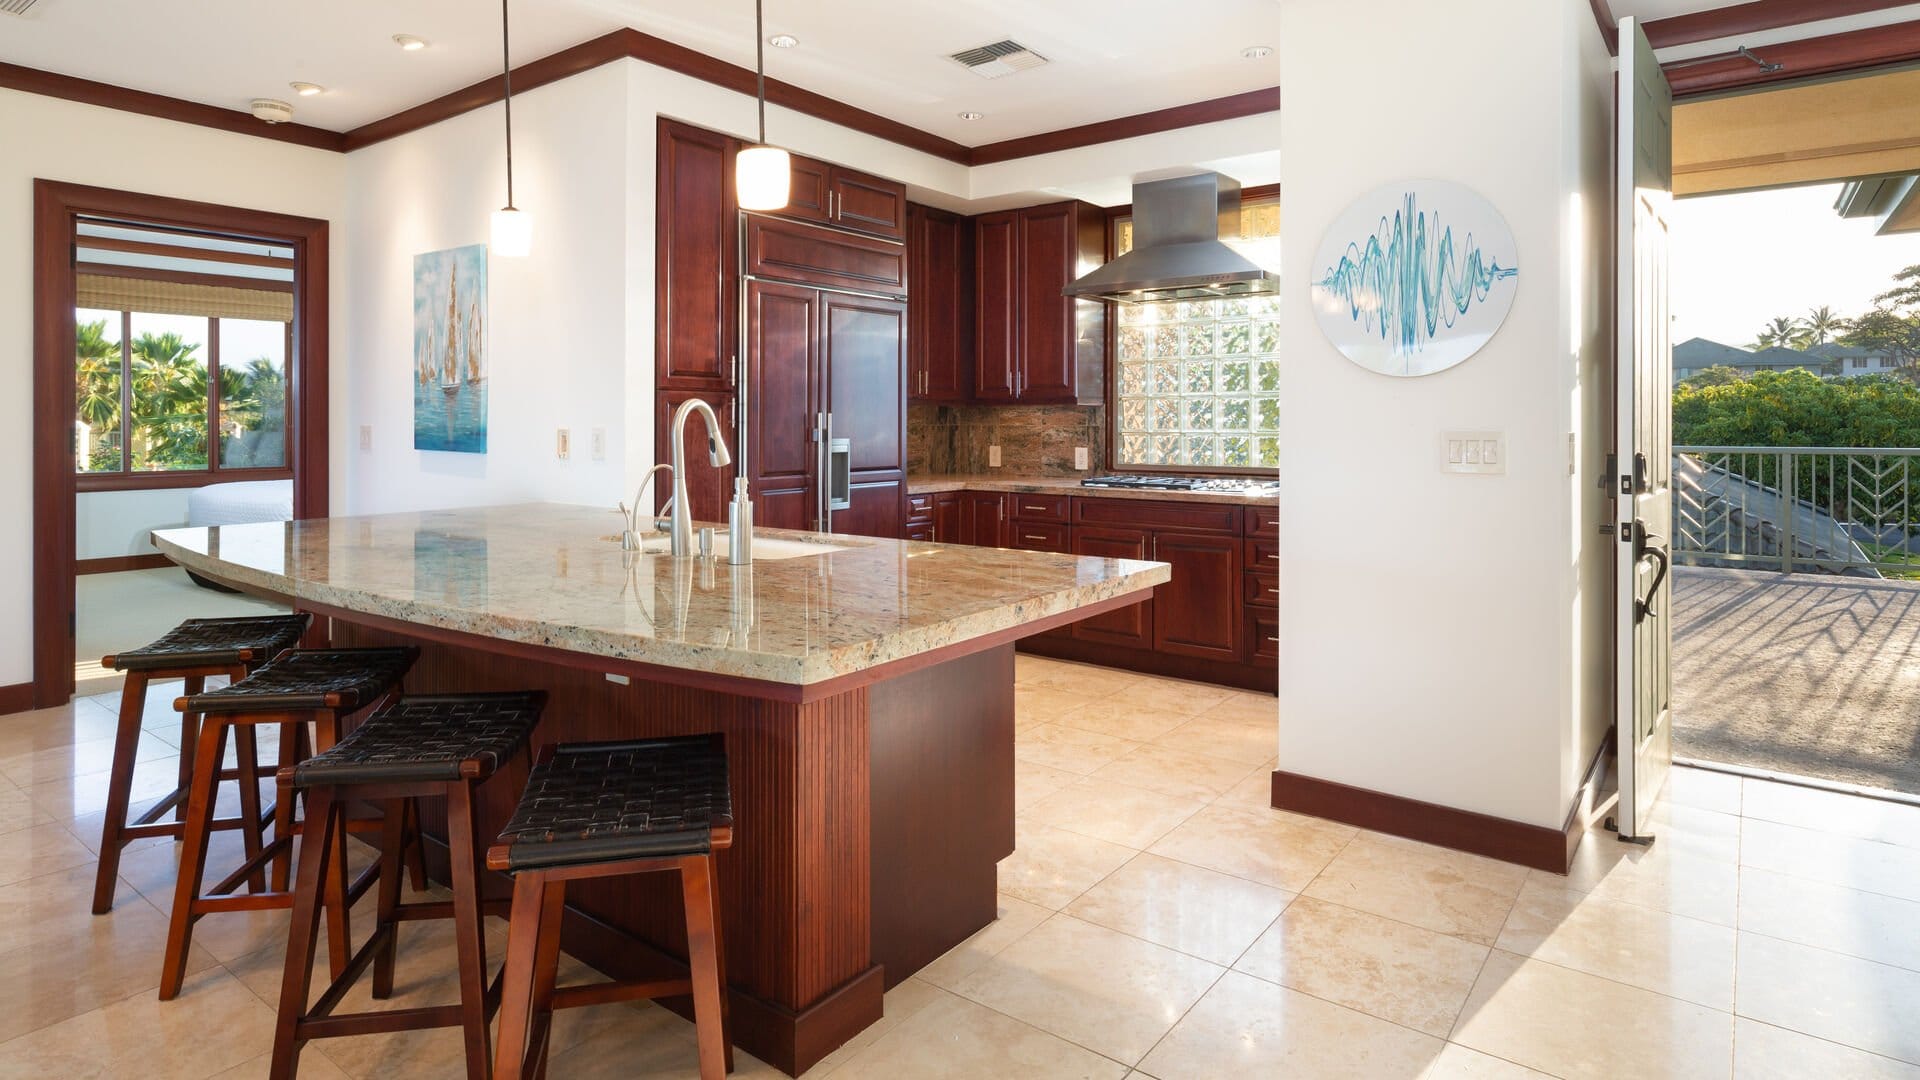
1177	252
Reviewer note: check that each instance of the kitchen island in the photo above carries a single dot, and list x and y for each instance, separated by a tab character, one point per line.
864	686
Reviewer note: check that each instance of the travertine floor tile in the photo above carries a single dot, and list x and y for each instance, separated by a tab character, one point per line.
1118	1006
1654	950
1863	924
212	1026
1255	792
1235	738
1414	977
1663	877
1889	869
952	1038
1173	771
1198	911
1829	811
1283	850
1456	1062
1764	1052
1033	782
1050	866
1843	999
1016	917
1114	812
1068	749
1704	790
1448	891
42	849
1124	717
17	810
60	762
1245	1027
81	720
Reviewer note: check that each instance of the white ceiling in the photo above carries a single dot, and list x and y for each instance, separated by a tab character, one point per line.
1109	57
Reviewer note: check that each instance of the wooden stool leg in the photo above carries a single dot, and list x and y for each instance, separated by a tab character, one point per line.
393	838
246	759
469	924
316	850
293	741
126	746
546	969
208	751
516	992
339	929
189	737
720	961
416	847
703	963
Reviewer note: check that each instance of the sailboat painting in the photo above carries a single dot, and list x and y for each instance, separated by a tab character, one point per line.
450	350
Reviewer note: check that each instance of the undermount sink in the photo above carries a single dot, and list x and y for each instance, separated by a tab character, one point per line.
767	549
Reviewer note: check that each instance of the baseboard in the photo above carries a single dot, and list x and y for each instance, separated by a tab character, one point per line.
1536	846
16	698
1264	677
113	564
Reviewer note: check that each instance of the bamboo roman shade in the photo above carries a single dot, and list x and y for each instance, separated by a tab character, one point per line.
1815	132
115	293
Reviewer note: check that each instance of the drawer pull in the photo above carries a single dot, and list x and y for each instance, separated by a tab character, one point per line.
1274	591
1275	640
1275	558
1042	509
1030	536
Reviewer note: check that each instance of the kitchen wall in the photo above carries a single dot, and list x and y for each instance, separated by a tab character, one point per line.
1034	440
1442	635
60	140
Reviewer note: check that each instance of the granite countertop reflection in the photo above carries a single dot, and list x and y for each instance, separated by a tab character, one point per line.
932	484
555	576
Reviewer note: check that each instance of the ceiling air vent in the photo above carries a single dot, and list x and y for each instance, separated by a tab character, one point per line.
987	61
16	7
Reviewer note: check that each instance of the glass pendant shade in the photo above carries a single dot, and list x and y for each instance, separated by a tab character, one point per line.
762	177
512	232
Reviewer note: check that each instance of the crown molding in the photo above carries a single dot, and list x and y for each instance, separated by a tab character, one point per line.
1755	16
107	95
1251	103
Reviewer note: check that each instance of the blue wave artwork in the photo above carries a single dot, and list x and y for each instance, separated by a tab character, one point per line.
1409	280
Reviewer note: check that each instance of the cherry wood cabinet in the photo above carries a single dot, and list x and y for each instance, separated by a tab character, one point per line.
940	306
783	404
845	198
982	519
1130	626
1035	345
946	517
708	489
861	360
695	288
1195	613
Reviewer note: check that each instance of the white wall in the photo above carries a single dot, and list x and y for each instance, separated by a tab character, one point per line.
1429	646
111	523
60	140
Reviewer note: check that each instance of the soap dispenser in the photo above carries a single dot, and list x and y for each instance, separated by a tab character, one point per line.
740	525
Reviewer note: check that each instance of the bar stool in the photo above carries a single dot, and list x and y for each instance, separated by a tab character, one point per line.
603	810
321	686
191	651
423	746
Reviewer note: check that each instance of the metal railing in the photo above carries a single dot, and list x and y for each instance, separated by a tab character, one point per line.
1798	509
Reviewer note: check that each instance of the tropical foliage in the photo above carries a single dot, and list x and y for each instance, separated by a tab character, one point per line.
1892	328
170	402
1797	408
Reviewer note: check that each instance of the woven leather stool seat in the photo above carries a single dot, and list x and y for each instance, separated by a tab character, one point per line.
214	643
428	738
310	679
608	801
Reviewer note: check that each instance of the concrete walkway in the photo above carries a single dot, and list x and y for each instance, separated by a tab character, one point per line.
1799	673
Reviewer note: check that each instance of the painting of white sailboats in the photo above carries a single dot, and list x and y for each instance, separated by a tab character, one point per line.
449	350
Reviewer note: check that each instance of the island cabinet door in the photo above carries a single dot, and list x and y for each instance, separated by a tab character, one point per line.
1198	613
1131	625
863	356
783	405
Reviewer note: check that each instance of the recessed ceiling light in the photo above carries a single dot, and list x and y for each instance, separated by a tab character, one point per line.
409	42
1257	52
307	89
971	115
783	41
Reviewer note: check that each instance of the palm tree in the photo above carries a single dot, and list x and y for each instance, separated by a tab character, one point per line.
1784	331
96	368
170	402
1822	325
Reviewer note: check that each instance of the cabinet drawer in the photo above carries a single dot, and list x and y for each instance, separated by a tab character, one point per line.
1029	536
1262	589
1263	521
1263	553
1263	636
1141	513
918	530
1041	507
919	509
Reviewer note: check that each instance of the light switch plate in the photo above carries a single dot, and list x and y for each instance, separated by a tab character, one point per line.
1081	460
562	444
1481	453
993	456
599	444
366	436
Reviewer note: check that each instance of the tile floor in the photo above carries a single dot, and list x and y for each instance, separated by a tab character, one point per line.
118	611
1157	920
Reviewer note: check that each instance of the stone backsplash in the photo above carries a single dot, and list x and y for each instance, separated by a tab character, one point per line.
1034	440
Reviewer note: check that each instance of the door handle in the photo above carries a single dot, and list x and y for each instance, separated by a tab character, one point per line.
1645	545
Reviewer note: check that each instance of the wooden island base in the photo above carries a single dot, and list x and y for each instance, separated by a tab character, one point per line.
868	826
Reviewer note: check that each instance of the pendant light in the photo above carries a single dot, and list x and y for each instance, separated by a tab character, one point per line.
512	226
762	174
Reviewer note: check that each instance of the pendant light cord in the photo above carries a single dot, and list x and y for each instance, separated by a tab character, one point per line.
506	78
760	67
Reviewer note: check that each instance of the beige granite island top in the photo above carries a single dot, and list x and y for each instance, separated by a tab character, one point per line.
929	484
555	576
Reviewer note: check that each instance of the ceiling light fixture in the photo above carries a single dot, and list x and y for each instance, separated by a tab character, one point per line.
409	42
512	227
971	115
1256	52
783	41
307	89
762	174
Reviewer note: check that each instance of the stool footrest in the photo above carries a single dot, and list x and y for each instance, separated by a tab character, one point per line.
571	997
320	1021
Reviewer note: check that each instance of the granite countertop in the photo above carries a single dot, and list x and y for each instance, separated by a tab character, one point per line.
1069	485
555	576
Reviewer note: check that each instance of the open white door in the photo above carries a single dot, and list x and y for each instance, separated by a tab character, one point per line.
1643	499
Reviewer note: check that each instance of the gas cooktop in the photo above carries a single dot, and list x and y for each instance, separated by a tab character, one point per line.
1211	485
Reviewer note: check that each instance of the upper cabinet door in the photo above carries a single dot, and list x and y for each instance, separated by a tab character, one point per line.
997	259
940	306
807	198
694	294
1046	329
783	328
867	203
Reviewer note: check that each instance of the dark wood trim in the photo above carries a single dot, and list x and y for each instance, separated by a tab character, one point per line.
1251	103
178	478
106	95
184	277
57	205
17	697
175	251
1609	26
1260	677
1855	50
1752	17
114	564
1463	830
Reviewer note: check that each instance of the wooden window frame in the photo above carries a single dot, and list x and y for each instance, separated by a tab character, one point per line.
126	478
1259	193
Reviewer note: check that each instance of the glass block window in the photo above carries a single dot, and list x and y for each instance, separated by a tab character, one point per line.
1197	383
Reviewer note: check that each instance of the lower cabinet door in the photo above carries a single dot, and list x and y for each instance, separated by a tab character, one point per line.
946	518
1131	625
1198	613
874	509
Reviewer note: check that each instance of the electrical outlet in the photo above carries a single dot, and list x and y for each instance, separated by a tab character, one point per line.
993	456
1081	459
366	436
599	444
563	444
